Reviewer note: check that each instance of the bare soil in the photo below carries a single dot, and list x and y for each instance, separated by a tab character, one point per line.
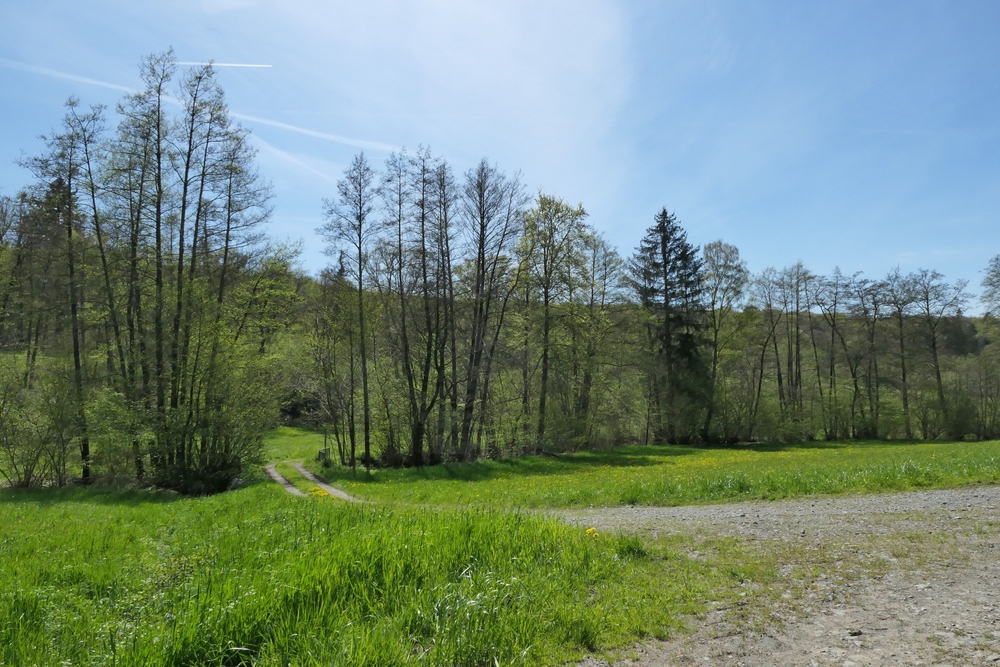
893	579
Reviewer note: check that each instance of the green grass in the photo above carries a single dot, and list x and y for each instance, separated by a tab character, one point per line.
259	577
299	444
677	475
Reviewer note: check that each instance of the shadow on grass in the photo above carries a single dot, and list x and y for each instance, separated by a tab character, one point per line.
529	466
632	456
478	471
95	495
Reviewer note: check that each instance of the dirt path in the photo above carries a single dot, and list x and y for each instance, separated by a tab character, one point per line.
280	479
896	579
332	490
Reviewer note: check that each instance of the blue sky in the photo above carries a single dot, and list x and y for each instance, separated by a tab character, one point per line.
863	135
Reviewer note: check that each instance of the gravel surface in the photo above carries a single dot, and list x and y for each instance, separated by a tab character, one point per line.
896	579
273	473
321	483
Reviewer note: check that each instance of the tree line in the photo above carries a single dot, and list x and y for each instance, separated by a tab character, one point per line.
149	331
463	318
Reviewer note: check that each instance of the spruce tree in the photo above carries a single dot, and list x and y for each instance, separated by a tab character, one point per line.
665	273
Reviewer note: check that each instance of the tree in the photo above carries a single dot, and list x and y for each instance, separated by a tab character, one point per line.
444	205
349	223
600	280
62	167
665	273
991	287
936	300
725	281
901	297
492	205
550	245
166	207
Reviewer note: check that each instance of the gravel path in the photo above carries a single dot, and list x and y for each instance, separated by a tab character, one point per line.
906	579
280	479
321	483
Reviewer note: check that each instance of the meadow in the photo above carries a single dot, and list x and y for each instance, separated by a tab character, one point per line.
255	576
676	475
258	577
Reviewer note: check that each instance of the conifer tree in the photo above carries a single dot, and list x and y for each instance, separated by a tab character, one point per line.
665	273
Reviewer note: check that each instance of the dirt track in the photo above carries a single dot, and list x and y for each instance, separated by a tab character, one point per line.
903	579
273	473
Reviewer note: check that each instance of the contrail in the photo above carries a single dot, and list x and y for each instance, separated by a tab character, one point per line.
291	158
347	141
44	71
223	64
336	138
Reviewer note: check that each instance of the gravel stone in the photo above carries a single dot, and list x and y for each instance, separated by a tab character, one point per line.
938	604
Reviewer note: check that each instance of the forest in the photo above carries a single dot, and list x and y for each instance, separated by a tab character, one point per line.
151	333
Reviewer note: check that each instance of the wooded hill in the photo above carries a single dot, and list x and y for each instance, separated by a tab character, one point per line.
152	334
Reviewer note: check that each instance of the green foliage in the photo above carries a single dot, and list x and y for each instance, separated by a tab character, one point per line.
257	577
139	295
37	424
665	274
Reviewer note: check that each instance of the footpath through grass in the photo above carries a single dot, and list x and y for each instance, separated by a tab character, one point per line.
678	475
258	577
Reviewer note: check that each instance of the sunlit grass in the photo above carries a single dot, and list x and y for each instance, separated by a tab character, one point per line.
287	443
259	577
676	475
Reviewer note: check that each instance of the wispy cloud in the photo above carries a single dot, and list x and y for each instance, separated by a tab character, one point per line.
336	138
45	71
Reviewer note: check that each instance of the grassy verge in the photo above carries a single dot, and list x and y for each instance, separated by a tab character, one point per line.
677	475
258	577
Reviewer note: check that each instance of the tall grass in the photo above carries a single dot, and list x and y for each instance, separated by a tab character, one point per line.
676	475
258	577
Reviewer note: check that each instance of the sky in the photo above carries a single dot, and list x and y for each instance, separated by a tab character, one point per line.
852	134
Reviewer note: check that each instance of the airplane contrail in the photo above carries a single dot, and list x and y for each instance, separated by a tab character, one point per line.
336	138
291	158
224	64
45	71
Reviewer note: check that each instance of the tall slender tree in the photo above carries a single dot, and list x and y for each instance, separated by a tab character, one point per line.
351	224
725	281
550	245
